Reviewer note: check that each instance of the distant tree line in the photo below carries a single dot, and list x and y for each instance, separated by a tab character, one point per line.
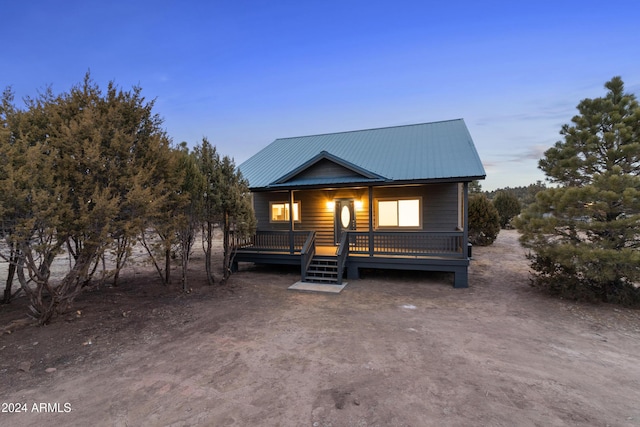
92	173
489	211
524	194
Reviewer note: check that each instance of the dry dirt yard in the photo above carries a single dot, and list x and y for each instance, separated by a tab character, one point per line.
393	349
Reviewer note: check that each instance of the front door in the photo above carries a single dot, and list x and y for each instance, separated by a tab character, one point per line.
345	218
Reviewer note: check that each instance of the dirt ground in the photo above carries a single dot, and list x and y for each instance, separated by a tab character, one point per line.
393	349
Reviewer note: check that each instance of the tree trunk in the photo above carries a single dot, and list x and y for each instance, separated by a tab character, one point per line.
227	250
149	250
185	265
207	253
42	310
167	266
122	254
63	295
13	259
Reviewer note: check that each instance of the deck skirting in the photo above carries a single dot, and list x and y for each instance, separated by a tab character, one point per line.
456	266
354	263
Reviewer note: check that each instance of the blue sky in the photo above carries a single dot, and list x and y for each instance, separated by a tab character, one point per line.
244	73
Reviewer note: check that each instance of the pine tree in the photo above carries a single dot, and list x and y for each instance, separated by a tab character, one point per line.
208	160
585	234
187	221
13	198
80	171
236	210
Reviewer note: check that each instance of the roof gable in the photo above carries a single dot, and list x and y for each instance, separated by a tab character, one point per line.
326	167
413	153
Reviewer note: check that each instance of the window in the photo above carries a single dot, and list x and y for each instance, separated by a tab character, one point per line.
399	213
280	211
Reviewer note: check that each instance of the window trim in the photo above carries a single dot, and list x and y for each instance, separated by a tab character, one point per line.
398	227
285	204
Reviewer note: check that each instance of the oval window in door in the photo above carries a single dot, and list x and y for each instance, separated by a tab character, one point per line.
345	216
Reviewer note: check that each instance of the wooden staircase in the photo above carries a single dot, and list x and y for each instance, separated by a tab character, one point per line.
323	269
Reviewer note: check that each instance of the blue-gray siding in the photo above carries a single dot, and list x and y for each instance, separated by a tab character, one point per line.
439	207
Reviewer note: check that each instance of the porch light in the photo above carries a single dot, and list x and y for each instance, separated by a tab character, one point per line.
331	205
358	205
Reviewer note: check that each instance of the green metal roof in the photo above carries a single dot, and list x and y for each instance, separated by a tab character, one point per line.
422	152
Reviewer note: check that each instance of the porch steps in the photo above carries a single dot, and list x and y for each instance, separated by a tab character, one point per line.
323	270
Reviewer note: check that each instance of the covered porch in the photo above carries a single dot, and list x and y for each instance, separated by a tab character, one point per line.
405	250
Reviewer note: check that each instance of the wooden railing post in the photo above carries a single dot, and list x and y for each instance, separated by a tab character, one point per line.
342	253
371	221
291	222
307	253
465	227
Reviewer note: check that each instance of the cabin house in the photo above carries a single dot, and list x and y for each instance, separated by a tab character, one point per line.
388	198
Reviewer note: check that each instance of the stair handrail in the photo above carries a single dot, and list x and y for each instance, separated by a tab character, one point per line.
342	253
307	253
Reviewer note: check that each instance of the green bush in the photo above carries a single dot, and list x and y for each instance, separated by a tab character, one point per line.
508	207
583	272
484	221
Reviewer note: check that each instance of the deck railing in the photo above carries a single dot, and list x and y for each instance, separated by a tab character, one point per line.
408	243
274	241
388	243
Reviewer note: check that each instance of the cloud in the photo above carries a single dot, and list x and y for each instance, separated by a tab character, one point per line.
490	165
531	152
534	152
557	111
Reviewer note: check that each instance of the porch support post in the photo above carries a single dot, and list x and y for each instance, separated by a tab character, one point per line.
370	220
461	278
291	240
465	209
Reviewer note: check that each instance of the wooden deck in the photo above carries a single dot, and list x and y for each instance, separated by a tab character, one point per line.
424	251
